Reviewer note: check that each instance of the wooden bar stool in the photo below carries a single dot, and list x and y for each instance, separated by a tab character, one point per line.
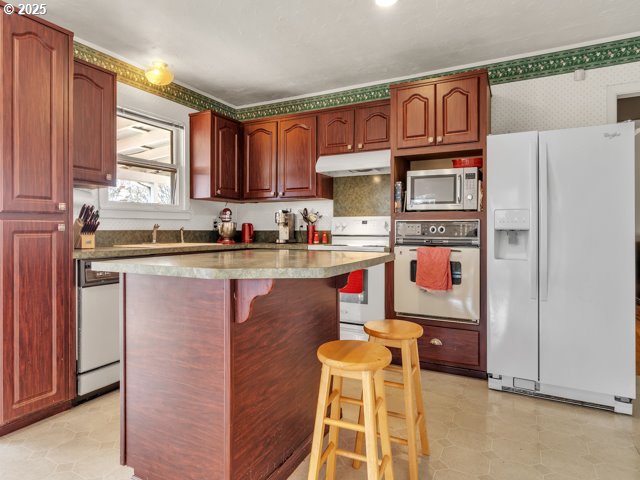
360	361
403	335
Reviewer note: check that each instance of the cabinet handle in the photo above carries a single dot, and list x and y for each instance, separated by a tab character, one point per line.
108	176
436	341
275	194
61	227
349	147
430	139
439	139
282	194
62	207
218	192
360	145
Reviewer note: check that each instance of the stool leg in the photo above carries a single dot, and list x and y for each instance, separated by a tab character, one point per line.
359	437
422	427
409	408
370	435
378	379
333	430
318	429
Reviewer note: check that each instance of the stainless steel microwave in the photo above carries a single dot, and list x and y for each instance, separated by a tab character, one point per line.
446	189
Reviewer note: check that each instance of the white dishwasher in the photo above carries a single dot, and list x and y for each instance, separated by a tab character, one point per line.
98	345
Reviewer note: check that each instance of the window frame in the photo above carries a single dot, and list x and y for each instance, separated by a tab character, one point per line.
180	210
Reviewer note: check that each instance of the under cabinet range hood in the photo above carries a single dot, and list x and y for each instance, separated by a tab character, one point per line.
377	162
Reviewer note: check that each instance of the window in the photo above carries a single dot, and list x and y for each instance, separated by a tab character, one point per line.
149	162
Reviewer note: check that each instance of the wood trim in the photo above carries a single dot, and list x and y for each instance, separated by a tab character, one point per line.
34	417
245	294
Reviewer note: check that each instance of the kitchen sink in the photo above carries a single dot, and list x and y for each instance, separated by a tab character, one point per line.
162	245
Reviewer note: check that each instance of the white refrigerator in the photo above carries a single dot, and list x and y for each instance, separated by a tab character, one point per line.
561	264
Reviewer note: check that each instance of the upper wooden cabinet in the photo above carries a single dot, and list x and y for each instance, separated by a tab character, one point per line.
94	125
36	69
216	162
297	157
260	160
35	315
440	112
354	129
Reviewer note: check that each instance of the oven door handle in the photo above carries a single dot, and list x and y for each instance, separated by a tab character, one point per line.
453	250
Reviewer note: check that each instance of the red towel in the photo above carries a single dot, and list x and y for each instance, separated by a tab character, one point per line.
434	269
354	282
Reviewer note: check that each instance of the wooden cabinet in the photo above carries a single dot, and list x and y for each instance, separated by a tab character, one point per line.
415	108
94	125
450	110
336	131
450	346
261	160
297	157
354	129
457	111
373	130
35	116
216	163
37	339
35	314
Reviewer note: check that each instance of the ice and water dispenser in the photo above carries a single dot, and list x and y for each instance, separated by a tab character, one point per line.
512	231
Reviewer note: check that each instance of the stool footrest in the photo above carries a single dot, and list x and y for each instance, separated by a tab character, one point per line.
351	455
332	396
351	401
383	465
326	454
394	368
396	414
356	427
418	418
389	383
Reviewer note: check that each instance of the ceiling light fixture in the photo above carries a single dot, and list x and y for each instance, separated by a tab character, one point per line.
385	3
159	74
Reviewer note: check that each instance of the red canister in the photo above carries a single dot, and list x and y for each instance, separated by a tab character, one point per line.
247	233
311	230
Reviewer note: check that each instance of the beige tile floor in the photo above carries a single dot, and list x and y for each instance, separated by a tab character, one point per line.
475	433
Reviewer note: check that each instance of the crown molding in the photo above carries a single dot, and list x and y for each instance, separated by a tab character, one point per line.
600	55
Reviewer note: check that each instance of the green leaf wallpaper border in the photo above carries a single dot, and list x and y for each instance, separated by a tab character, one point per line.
594	56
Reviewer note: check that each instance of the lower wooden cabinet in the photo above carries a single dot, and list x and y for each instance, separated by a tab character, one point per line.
36	326
450	346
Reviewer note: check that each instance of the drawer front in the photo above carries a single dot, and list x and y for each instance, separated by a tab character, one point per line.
450	346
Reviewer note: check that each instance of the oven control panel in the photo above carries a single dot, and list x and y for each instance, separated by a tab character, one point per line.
438	232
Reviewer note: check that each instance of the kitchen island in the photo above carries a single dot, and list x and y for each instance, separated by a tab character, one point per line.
220	375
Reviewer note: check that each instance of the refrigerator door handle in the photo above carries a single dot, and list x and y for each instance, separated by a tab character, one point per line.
533	229
544	222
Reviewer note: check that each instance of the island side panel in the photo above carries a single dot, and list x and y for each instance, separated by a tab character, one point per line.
176	333
276	373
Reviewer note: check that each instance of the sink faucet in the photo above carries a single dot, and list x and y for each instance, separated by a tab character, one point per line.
181	234
154	233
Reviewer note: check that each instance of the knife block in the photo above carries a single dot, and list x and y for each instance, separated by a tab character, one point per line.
82	240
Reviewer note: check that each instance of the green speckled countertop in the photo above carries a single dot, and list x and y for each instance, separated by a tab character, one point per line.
248	264
158	249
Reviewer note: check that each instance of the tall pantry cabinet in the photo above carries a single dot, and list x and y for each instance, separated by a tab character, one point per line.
37	339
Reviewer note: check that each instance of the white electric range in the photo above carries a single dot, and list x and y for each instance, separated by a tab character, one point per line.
360	234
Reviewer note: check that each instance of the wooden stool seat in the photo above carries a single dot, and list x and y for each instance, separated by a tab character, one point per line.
393	329
354	356
365	362
404	336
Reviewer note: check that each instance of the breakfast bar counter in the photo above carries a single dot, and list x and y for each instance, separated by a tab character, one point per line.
220	374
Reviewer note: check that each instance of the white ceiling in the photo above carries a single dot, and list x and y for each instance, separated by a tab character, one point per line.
252	51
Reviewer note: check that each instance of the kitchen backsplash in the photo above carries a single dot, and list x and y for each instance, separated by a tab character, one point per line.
368	195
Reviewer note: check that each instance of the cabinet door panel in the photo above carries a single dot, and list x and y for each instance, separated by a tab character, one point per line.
457	111
336	132
373	127
260	160
94	125
201	155
228	171
34	110
416	116
35	299
297	157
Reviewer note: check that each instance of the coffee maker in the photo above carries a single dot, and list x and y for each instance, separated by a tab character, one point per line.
286	221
